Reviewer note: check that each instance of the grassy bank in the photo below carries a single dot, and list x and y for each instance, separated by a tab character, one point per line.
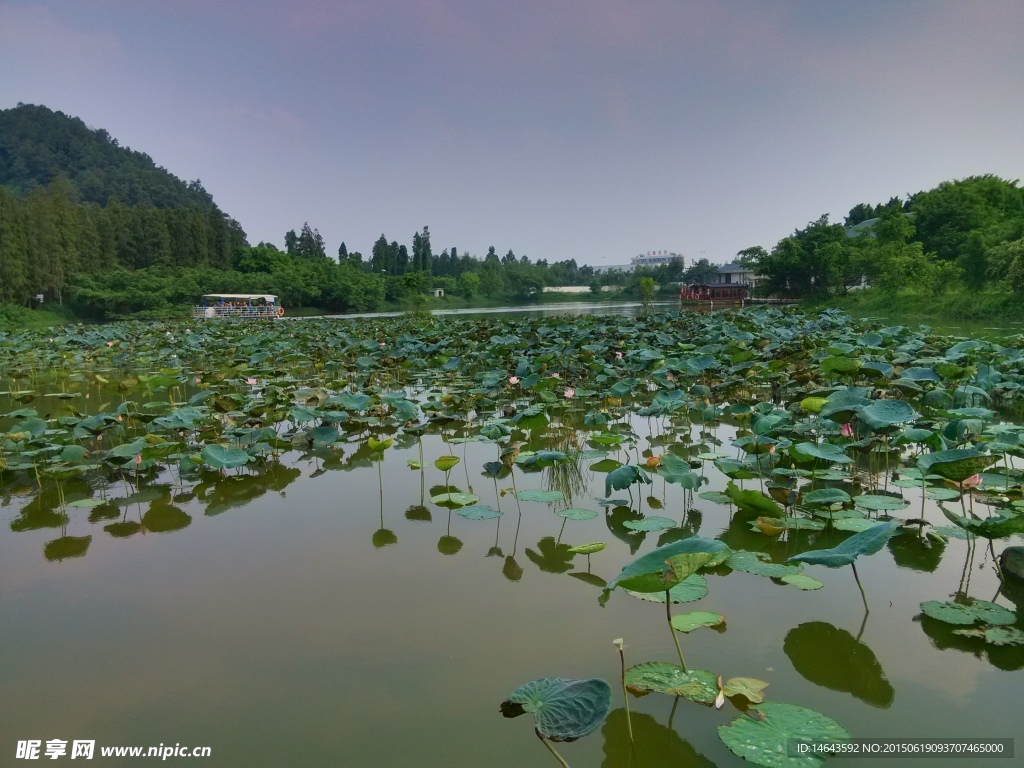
956	304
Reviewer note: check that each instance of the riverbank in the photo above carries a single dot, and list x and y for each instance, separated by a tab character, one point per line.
957	304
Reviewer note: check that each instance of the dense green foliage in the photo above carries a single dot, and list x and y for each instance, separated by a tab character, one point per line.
966	232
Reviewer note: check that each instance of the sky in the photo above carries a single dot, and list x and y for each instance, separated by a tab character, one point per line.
595	131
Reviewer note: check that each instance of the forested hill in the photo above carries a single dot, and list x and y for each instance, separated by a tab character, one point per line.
39	146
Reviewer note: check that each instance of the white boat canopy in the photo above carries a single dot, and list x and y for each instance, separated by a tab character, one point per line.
267	297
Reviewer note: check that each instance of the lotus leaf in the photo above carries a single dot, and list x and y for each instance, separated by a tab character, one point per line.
623	477
957	464
750	688
969	612
994	635
588	549
803	581
536	494
753	501
661	677
688	590
764	742
655	561
826	496
564	710
759	564
687	622
651	523
875	503
219	457
804	452
574	513
478	512
457	499
864	543
445	463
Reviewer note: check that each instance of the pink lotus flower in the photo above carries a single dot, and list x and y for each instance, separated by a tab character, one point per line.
513	380
771	449
138	459
555	375
967	484
251	381
569	392
199	379
618	355
846	431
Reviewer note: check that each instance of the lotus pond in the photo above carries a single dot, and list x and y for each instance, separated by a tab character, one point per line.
675	539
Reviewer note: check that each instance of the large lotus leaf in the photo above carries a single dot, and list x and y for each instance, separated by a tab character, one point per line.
687	622
219	457
691	481
853	524
957	464
565	710
864	543
537	494
804	452
833	658
758	564
764	741
753	501
969	613
651	523
656	561
623	477
679	568
687	591
826	496
875	503
885	413
661	677
321	436
353	402
995	527
994	635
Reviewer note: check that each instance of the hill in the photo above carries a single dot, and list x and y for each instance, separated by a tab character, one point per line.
39	146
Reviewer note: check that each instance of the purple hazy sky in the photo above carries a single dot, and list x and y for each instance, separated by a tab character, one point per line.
592	131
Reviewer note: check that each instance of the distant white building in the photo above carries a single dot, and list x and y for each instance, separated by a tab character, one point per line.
649	259
654	258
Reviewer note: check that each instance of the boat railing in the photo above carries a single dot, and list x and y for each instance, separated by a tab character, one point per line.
241	313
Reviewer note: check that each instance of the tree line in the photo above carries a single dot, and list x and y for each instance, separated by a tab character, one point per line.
967	233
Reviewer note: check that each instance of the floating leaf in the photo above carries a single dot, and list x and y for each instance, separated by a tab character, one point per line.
687	622
879	503
758	564
764	742
750	688
661	677
478	512
803	581
564	710
969	613
753	501
536	494
574	513
652	523
454	499
994	635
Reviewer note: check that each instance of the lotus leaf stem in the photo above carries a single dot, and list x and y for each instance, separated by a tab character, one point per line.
668	614
861	588
551	749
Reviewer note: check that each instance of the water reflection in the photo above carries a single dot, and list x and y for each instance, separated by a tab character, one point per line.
654	745
833	658
943	637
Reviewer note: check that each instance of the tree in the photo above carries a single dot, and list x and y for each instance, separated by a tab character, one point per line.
700	271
